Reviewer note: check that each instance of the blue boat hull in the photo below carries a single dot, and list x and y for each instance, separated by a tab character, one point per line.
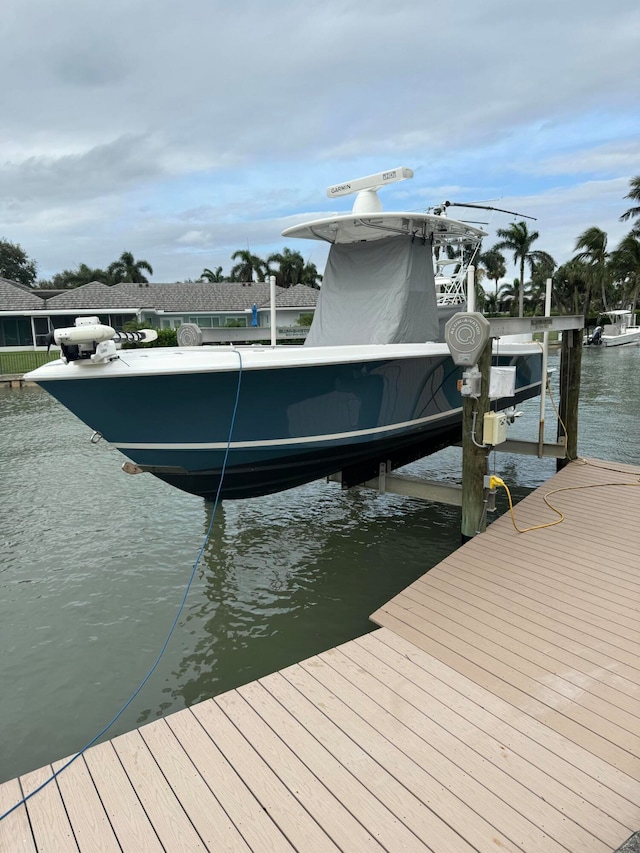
292	425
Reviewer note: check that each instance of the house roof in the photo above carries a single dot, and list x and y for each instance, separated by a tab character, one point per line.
94	295
183	297
17	297
299	296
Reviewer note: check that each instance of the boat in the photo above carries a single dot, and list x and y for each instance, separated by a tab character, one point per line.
374	381
621	330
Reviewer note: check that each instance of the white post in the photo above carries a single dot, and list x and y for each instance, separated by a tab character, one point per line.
545	359
471	289
272	308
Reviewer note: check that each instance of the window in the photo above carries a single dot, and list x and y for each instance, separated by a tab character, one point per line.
118	321
61	321
15	332
202	322
41	326
235	321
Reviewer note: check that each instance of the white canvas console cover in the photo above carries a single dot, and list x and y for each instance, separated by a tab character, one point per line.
379	292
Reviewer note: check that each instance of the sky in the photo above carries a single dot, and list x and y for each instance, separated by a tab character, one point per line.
183	132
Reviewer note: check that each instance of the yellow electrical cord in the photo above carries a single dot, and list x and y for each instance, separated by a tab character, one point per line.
498	481
582	461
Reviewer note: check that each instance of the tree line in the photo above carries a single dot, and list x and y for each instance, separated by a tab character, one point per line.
16	265
289	268
596	279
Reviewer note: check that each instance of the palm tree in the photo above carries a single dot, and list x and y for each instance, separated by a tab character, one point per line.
209	275
634	195
491	303
248	265
517	239
593	243
509	293
541	264
494	264
542	267
84	274
572	286
126	268
310	275
290	267
625	265
481	295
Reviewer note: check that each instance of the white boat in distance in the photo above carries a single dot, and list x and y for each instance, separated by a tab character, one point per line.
621	330
373	382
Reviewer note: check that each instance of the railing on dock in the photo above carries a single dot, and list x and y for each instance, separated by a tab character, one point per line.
18	363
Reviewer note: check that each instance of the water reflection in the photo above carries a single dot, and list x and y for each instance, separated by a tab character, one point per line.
275	587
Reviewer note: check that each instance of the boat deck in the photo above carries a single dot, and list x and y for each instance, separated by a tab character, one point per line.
497	708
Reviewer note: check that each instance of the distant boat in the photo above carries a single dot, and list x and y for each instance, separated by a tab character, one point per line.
373	383
620	330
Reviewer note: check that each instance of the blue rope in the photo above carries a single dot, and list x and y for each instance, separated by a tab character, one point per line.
173	625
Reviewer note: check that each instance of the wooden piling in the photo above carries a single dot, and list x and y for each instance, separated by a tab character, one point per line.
474	458
570	368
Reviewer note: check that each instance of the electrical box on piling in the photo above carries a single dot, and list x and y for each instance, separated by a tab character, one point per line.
494	428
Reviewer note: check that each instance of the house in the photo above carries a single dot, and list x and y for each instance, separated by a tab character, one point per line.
18	306
26	317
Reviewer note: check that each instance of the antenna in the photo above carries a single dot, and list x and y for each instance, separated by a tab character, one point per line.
485	207
371	182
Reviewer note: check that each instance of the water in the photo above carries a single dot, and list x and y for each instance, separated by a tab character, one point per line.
93	566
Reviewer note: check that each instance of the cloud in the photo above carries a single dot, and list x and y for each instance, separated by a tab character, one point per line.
181	130
620	157
112	167
563	213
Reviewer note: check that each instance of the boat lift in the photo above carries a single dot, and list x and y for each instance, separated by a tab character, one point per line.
469	336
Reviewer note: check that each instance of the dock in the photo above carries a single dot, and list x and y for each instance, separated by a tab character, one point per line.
496	707
14	380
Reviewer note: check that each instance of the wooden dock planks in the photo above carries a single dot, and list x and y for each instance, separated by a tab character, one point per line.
496	708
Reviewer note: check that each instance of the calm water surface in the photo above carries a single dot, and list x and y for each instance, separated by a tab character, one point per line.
93	565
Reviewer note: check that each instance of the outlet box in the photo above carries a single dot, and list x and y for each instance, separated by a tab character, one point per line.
494	428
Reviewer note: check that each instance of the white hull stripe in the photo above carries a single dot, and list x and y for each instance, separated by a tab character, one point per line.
287	442
284	442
